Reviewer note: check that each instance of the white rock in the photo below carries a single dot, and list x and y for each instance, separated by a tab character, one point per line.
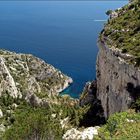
71	134
53	115
86	134
64	122
14	105
60	112
114	14
2	128
129	120
1	113
9	111
12	89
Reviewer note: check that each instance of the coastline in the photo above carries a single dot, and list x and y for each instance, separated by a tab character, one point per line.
66	85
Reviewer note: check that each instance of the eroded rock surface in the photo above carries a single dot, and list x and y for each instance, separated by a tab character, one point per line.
118	82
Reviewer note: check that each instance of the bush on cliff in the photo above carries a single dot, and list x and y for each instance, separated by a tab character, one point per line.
109	12
124	29
124	125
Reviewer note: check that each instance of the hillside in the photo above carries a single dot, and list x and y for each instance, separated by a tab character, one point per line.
122	31
24	73
30	87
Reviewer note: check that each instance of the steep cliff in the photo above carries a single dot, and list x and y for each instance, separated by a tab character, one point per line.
118	73
118	82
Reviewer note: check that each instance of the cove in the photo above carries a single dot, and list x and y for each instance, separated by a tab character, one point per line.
63	33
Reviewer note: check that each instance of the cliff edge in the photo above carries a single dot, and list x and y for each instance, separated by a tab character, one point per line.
117	70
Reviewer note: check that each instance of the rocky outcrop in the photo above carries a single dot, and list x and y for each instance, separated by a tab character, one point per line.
7	81
21	74
85	134
1	113
89	93
118	82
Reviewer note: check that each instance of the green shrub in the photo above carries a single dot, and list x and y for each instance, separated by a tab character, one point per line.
33	123
124	30
137	61
29	123
109	12
124	50
125	125
136	105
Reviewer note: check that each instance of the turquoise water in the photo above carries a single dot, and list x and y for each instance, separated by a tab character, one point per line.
64	34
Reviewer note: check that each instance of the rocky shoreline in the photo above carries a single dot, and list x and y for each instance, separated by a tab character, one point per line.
66	85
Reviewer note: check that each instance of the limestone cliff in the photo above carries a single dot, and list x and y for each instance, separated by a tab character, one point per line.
117	81
117	70
118	61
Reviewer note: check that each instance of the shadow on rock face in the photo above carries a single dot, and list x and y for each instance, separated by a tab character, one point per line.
134	92
95	115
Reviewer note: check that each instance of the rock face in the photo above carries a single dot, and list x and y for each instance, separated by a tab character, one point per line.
21	74
118	62
118	82
89	93
86	134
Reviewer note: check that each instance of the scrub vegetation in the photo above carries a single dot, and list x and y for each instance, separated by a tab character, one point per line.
39	122
122	30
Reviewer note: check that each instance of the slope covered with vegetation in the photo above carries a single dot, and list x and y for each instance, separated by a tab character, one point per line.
122	30
21	120
121	126
30	107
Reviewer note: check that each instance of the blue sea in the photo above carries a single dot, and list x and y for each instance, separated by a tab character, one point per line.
63	33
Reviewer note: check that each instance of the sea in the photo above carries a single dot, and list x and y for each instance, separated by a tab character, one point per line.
63	33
